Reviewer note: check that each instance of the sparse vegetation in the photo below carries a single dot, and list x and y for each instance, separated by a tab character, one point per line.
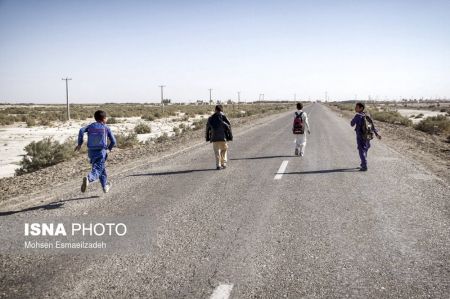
127	140
112	120
142	128
392	117
162	138
434	125
44	153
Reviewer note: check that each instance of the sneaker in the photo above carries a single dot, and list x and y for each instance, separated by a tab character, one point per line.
85	184
218	168
224	166
107	187
301	154
363	169
296	152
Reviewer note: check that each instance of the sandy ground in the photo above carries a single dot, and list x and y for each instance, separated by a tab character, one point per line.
14	138
413	112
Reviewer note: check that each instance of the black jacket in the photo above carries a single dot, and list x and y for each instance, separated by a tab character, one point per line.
218	128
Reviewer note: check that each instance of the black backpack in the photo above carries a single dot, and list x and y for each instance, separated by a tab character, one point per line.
367	128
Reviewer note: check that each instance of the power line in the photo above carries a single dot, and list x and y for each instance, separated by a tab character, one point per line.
67	96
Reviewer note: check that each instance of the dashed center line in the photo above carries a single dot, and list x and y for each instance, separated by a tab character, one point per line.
281	170
222	291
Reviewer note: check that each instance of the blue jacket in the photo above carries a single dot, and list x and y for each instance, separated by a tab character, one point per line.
358	122
98	133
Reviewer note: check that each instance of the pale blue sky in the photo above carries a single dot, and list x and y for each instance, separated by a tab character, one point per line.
122	50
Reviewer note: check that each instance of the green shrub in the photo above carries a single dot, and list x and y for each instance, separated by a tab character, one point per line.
391	117
31	122
434	125
199	124
127	140
148	117
112	120
44	153
142	128
162	138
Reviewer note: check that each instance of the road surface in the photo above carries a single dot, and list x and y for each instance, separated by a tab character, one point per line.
317	228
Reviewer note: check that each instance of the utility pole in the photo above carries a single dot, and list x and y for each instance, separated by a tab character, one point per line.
67	96
239	98
210	97
326	96
162	97
295	97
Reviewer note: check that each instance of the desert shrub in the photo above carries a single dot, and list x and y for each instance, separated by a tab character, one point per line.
112	120
44	153
142	128
162	138
45	122
419	115
31	122
177	131
434	124
148	117
391	117
199	124
157	115
127	140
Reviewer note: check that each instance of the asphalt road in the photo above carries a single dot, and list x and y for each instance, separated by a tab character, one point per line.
322	229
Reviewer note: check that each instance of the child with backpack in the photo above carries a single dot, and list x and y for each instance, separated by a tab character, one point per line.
98	135
298	128
365	129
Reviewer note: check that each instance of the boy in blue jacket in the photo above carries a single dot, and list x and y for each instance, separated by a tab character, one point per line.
363	135
98	135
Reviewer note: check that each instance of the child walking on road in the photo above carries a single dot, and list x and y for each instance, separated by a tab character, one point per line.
365	129
218	131
300	121
98	135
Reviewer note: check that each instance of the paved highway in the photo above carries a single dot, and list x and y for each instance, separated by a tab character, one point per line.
319	228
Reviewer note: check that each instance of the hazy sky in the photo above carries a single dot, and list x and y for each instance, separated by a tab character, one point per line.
122	50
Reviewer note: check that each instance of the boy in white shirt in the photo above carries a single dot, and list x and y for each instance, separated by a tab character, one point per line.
300	121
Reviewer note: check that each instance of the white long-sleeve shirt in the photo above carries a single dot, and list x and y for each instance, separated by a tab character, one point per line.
304	118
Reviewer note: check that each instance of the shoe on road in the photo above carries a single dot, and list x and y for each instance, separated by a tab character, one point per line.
363	169
85	184
218	168
107	187
296	152
224	166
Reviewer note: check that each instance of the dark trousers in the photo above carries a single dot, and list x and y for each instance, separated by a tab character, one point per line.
98	162
363	148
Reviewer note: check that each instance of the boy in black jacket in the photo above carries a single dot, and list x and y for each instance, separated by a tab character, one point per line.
218	131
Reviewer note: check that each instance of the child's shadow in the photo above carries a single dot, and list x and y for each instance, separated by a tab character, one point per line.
49	206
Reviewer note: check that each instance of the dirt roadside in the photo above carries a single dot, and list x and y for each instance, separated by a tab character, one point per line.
430	150
42	183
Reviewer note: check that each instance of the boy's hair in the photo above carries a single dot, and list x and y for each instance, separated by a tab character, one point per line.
99	115
299	106
361	105
219	108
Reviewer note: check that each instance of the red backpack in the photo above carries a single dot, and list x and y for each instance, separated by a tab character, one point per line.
298	127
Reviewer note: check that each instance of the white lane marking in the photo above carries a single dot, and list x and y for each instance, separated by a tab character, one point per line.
222	291
281	170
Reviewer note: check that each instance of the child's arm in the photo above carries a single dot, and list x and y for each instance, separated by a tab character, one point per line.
305	119
112	139
353	122
80	138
